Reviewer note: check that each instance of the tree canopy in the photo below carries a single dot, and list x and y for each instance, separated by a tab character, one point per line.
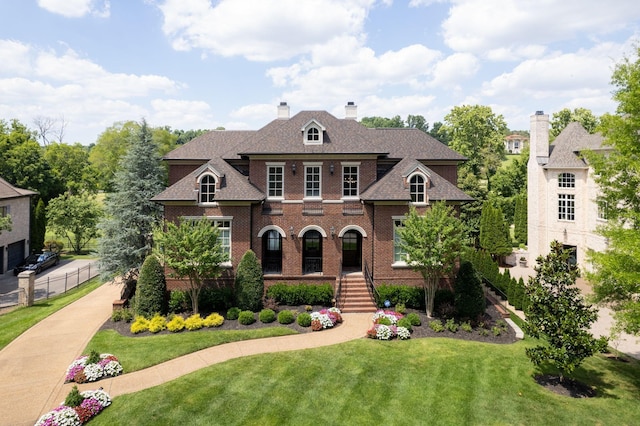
616	271
562	118
74	217
191	249
433	243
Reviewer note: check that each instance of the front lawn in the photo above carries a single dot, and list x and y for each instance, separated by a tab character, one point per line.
421	381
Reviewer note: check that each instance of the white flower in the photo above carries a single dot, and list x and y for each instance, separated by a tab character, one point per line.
403	333
113	368
66	417
383	332
323	318
101	396
77	362
93	372
334	309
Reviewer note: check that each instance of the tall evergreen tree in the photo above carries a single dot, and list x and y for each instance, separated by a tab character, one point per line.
39	228
151	289
494	234
130	215
520	219
249	282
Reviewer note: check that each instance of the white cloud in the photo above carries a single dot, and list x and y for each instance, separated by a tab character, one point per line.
77	8
181	114
15	57
482	26
260	30
458	67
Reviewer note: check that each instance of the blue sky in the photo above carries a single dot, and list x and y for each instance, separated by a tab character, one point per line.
193	64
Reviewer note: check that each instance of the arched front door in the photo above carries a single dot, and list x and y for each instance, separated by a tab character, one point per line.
272	252
352	250
312	252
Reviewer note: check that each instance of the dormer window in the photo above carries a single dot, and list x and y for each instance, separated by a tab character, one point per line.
207	189
313	133
417	188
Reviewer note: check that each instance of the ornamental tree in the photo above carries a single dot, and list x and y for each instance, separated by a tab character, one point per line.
74	217
433	243
192	250
558	314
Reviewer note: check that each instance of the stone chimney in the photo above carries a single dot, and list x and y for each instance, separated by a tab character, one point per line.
283	110
539	133
351	111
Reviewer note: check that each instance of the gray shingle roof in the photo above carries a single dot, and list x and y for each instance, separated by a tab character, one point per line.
565	149
9	191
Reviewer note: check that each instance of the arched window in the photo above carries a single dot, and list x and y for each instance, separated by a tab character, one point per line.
313	135
417	188
566	180
207	189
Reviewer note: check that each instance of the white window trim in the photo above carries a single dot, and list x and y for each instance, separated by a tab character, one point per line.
306	132
567	175
350	164
566	200
278	164
395	263
425	183
228	263
215	183
312	197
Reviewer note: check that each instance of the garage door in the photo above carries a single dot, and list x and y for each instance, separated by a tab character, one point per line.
15	254
1	259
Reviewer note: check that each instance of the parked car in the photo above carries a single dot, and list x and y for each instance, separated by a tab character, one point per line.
38	262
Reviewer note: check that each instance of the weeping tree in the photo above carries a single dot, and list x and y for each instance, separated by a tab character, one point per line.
433	243
192	250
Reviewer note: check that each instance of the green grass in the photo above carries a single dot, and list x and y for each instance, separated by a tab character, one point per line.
17	321
423	381
136	353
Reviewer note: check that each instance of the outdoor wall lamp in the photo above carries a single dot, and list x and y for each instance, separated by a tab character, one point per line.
292	232
293	168
331	169
333	232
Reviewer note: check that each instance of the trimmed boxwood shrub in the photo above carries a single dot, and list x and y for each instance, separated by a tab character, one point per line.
286	317
232	313
151	288
249	283
215	299
246	318
301	294
304	319
267	316
406	323
414	319
411	297
469	295
179	301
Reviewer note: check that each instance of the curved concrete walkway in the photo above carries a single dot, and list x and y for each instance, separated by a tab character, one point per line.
32	367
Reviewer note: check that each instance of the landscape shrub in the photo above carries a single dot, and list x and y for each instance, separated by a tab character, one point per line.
451	325
176	324
246	318
151	288
466	326
214	299
267	316
301	294
411	297
249	282
213	320
436	325
401	308
406	323
194	322
73	398
414	319
469	294
232	313
116	315
157	323
178	301
444	303
304	319
287	317
140	325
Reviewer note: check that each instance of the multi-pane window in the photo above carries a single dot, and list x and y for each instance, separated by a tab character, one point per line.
566	207
313	135
275	179
207	189
399	255
416	188
566	180
602	209
350	181
4	211
312	177
224	227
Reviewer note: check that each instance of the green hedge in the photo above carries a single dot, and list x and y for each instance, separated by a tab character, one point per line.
301	294
411	297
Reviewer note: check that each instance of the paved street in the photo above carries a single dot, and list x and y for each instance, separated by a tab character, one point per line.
52	281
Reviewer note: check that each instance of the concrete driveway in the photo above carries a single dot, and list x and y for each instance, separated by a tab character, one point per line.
53	281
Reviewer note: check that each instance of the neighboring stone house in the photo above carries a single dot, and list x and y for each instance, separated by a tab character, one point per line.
312	195
14	244
563	196
514	144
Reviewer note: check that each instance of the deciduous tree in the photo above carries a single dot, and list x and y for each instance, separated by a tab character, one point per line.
558	314
74	217
562	118
192	250
433	243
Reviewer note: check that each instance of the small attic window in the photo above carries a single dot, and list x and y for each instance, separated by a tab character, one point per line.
207	189
313	136
313	133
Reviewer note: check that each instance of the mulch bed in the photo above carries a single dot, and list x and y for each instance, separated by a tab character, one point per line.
566	387
492	315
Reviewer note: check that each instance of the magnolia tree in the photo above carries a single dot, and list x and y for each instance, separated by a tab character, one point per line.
559	314
192	250
432	244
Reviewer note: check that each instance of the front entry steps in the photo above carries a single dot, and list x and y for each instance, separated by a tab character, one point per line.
354	294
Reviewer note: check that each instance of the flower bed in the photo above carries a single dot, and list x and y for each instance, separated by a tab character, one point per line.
325	318
89	368
385	326
91	403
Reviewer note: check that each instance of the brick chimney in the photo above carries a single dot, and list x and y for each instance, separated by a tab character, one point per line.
283	110
351	111
539	133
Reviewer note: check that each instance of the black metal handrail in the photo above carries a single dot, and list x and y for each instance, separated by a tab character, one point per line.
368	277
338	293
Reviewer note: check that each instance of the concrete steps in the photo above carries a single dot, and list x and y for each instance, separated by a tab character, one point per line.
354	294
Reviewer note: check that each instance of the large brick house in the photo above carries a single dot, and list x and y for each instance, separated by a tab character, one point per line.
312	195
14	244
